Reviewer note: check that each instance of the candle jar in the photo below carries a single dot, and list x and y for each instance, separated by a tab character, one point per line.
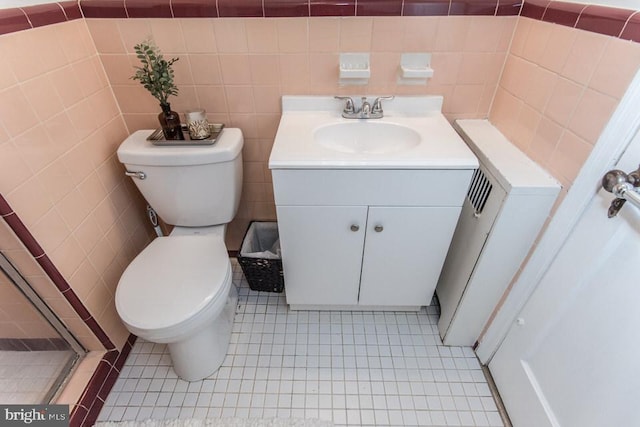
197	124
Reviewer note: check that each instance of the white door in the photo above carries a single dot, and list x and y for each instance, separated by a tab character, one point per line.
404	251
572	358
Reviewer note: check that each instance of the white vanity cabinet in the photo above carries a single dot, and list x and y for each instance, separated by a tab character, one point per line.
366	208
404	251
365	239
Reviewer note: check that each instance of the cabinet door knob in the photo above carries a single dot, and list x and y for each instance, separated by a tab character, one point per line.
378	228
355	227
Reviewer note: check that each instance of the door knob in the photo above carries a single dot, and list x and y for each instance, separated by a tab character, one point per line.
378	228
623	186
355	227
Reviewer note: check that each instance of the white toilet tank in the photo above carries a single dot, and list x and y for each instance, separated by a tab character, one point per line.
189	186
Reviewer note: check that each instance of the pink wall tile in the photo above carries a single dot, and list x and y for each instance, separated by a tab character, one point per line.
61	123
569	156
35	148
16	113
265	69
617	66
355	34
45	102
582	58
485	34
540	88
563	83
57	180
262	35
64	82
452	33
563	101
198	35
544	141
292	35
591	115
106	36
420	33
236	69
231	36
167	33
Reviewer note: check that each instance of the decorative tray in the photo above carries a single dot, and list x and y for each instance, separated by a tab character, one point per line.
157	137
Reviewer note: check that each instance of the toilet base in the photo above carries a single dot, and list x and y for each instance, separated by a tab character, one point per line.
201	354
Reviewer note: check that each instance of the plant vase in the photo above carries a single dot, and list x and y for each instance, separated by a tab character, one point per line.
170	122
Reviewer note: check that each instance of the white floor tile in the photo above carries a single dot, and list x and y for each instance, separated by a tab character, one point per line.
354	368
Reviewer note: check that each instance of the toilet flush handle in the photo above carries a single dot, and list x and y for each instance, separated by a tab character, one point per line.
138	174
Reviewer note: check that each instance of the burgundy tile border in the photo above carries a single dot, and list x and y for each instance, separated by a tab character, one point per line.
103	8
5	209
622	23
631	30
562	13
54	274
286	8
12	20
78	414
603	20
332	8
45	14
71	9
21	231
148	9
509	7
240	8
194	9
99	333
534	9
473	7
86	411
379	8
426	8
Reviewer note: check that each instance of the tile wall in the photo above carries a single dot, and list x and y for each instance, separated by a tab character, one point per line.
558	89
59	128
238	68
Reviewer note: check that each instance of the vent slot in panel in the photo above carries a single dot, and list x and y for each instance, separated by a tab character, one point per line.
479	191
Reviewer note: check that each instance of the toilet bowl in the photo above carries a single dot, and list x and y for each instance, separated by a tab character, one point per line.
179	289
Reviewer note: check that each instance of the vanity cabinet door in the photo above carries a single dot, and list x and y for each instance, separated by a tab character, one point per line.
322	253
404	253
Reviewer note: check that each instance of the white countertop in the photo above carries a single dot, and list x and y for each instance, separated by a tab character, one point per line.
440	146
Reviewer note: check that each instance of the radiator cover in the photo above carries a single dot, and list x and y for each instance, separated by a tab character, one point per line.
507	204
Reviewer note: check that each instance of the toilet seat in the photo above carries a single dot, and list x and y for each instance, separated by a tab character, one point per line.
174	285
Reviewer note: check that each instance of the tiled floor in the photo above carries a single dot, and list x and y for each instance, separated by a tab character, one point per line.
355	368
27	376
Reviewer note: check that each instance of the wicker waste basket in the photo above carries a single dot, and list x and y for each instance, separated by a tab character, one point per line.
260	257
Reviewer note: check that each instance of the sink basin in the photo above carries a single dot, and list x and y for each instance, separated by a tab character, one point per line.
366	137
413	134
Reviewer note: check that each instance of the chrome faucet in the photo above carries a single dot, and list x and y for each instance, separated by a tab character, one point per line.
366	110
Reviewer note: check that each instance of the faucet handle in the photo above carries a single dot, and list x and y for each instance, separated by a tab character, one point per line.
377	104
348	105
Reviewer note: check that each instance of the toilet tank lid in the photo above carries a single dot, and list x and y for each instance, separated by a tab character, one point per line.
136	150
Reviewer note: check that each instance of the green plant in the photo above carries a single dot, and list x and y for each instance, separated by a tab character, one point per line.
156	73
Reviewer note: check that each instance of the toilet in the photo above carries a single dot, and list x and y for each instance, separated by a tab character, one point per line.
178	290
